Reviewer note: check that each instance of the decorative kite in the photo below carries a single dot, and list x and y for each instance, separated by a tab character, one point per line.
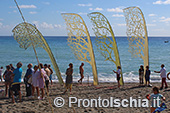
28	35
79	41
137	34
105	44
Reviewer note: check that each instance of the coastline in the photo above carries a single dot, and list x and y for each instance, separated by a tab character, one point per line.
85	91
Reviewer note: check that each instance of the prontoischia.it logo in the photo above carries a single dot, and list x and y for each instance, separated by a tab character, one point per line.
105	103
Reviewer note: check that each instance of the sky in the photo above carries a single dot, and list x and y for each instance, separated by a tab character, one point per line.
46	15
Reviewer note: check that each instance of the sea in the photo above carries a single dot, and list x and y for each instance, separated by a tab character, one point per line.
159	53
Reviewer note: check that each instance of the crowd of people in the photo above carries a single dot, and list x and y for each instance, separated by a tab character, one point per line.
38	77
34	79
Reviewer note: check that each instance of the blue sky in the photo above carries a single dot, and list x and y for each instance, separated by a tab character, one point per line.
46	14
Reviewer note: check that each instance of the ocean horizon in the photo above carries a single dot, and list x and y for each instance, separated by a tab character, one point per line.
159	53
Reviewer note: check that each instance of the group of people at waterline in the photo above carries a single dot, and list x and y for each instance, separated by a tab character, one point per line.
34	79
156	106
39	77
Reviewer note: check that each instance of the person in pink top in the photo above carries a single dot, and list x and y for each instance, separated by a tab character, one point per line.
35	81
41	80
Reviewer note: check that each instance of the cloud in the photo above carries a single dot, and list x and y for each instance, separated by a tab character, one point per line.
1	19
162	2
82	13
57	26
1	25
46	3
27	6
98	9
163	19
90	9
14	11
162	30
121	25
36	23
85	5
118	10
117	15
45	25
152	15
150	25
33	12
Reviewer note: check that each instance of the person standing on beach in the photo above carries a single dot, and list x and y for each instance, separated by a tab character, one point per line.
48	73
17	73
1	71
41	79
35	81
141	74
147	76
81	72
69	78
51	70
118	73
7	77
163	76
28	86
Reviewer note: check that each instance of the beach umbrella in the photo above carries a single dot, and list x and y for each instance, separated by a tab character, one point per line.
79	41
106	45
137	34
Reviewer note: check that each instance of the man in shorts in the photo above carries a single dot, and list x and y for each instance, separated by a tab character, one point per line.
81	72
17	73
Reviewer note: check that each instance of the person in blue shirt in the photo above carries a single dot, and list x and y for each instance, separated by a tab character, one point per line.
156	98
17	73
27	76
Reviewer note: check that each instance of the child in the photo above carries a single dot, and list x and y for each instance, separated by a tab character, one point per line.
141	74
147	76
118	75
154	97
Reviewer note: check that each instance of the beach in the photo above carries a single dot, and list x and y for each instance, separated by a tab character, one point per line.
84	91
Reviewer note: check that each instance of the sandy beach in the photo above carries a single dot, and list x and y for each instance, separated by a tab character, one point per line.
85	91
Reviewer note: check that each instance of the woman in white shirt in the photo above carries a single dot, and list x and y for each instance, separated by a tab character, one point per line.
35	81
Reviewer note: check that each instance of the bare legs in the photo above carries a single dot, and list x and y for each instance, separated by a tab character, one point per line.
6	88
33	90
42	93
81	79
